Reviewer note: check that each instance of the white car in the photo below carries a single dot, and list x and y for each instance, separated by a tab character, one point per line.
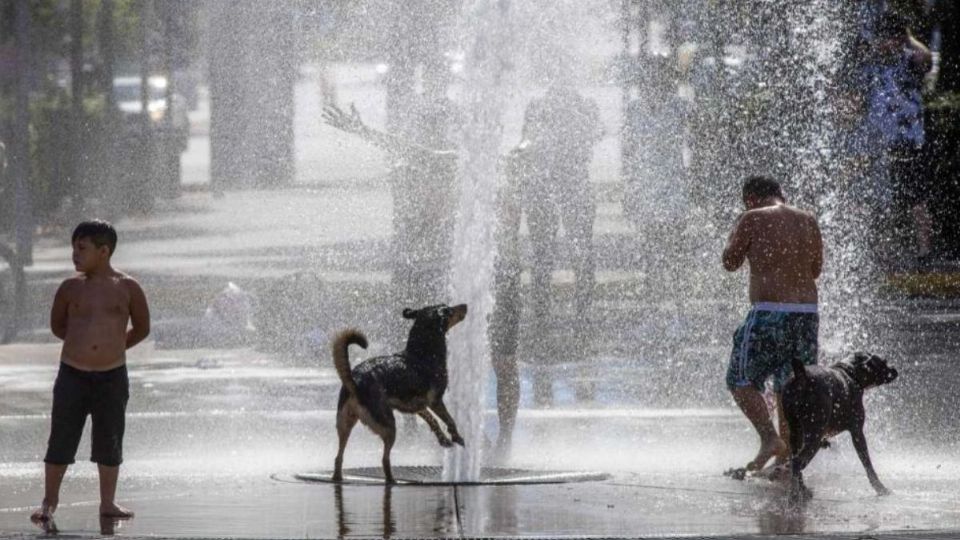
126	92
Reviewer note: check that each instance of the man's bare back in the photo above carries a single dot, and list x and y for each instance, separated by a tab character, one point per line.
785	251
90	313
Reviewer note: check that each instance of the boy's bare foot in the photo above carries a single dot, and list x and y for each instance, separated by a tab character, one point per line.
109	525
768	449
115	511
44	513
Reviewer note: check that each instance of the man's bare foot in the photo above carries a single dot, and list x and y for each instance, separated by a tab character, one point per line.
48	526
782	458
115	511
769	449
778	473
44	513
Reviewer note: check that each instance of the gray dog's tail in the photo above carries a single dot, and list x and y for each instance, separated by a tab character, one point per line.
341	358
799	370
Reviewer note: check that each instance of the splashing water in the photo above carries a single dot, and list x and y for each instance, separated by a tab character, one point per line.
474	247
799	145
821	34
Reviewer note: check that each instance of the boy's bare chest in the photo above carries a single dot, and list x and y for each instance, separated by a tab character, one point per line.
96	300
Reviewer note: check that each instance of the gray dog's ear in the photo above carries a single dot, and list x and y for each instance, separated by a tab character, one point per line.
860	357
409	313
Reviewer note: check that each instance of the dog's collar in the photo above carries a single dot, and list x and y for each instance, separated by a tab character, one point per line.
846	370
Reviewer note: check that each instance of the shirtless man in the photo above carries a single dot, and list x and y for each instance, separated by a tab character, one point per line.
90	314
785	251
559	132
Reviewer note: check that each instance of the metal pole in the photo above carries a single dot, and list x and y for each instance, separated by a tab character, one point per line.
627	76
74	187
169	159
145	181
20	145
108	181
626	66
145	65
76	55
107	51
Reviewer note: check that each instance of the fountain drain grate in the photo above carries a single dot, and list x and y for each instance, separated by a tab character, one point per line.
433	476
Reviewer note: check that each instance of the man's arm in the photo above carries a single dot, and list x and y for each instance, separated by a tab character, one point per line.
351	123
58	312
922	58
139	314
738	243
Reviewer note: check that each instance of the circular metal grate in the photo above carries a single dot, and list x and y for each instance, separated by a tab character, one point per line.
433	476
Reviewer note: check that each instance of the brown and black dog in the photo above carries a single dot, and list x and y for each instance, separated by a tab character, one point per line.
822	401
411	381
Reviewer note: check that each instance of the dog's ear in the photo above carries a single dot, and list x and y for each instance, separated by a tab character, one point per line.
861	357
409	313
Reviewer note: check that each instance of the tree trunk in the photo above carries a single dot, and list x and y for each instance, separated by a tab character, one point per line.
253	69
274	72
229	147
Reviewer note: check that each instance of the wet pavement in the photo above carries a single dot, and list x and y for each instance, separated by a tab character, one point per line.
216	437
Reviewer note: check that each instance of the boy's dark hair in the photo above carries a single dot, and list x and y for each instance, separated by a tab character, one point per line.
98	231
762	186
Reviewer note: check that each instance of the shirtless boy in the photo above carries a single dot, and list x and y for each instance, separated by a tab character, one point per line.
785	251
90	314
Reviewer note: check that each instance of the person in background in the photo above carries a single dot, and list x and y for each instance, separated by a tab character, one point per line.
553	159
893	123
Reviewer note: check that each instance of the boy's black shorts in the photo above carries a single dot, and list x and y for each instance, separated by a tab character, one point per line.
101	394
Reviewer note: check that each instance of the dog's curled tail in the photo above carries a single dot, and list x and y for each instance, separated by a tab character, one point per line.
341	358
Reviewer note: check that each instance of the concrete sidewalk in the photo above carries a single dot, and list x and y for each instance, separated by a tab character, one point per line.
190	247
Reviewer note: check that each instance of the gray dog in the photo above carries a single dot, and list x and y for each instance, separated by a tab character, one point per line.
820	402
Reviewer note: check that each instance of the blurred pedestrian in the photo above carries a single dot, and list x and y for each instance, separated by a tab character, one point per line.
894	127
653	172
559	132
